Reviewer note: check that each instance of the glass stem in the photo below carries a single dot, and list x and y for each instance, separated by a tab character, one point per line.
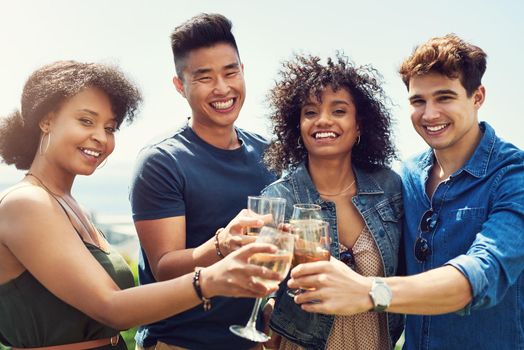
253	318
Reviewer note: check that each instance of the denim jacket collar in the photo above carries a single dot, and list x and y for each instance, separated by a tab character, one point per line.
366	184
477	165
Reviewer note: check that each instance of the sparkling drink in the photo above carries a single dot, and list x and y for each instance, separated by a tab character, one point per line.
279	262
303	256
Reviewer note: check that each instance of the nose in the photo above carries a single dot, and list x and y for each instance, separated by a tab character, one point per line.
221	87
431	112
99	135
324	119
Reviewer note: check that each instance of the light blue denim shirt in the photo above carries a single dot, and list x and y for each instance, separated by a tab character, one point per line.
479	216
379	201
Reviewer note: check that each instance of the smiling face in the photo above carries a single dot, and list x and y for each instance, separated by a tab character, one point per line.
81	132
442	113
213	84
329	128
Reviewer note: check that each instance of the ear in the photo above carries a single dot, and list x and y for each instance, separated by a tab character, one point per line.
479	96
45	123
242	67
179	85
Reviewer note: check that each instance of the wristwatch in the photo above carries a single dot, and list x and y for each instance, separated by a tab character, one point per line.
380	294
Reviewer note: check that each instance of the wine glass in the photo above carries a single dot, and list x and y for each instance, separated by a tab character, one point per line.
311	244
306	211
258	205
280	262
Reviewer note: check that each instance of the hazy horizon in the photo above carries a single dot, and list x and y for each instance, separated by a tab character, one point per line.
135	35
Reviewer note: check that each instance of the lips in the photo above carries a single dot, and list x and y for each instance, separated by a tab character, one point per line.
322	135
90	152
436	128
223	105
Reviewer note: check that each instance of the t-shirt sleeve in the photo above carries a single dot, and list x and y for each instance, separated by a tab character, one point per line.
157	187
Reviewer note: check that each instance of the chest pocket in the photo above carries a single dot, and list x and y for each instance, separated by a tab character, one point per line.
464	223
392	209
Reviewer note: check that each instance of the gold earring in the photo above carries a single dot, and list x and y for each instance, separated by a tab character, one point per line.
103	164
42	141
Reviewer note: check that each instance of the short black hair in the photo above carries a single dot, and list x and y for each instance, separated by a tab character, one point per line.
203	30
47	89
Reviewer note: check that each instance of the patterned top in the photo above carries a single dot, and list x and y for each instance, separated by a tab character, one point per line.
365	331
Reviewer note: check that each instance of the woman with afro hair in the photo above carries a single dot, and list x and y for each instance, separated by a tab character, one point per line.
333	144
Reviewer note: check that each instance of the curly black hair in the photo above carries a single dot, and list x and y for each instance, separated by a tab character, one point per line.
47	89
304	76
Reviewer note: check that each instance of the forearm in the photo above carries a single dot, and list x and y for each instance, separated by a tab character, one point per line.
437	291
179	262
123	309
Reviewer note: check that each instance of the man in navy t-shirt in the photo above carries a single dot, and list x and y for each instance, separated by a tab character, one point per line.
191	184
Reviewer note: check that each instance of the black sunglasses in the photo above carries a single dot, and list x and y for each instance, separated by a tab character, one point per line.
347	258
428	222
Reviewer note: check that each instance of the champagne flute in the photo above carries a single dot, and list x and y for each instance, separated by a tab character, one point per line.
311	244
258	205
280	262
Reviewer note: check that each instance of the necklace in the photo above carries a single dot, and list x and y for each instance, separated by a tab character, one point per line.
341	192
90	232
40	182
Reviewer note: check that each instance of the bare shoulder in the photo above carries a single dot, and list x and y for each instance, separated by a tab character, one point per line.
25	207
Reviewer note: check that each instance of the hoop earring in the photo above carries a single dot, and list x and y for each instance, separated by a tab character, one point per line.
103	164
299	142
42	141
358	141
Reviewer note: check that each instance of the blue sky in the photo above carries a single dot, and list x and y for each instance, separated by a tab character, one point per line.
135	35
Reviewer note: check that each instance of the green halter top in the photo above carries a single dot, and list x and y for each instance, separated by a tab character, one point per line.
31	316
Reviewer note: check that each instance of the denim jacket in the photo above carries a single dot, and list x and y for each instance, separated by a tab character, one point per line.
478	228
379	201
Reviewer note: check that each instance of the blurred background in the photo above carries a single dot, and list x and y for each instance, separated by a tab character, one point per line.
135	35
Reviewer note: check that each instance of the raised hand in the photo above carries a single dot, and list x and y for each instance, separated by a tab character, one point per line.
235	277
333	288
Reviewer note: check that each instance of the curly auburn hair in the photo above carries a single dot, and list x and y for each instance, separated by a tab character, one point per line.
47	89
304	76
450	56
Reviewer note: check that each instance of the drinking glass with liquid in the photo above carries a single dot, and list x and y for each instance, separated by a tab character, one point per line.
266	207
280	262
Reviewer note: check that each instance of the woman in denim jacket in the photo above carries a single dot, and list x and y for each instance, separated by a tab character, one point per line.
333	138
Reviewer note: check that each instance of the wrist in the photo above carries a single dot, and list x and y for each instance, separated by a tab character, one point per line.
218	248
380	294
200	286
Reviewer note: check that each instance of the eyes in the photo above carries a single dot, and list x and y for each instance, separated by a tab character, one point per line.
229	74
88	122
310	112
417	102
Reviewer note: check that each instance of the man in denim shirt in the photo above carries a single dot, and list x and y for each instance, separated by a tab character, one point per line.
464	218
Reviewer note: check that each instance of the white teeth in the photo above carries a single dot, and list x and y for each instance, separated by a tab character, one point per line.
91	153
222	104
436	127
322	135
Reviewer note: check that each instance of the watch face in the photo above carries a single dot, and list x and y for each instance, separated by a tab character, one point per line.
382	295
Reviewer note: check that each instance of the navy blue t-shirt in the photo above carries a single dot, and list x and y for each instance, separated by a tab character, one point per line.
185	176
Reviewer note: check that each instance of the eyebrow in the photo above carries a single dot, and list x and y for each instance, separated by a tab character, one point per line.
333	103
93	113
436	93
337	102
88	111
200	71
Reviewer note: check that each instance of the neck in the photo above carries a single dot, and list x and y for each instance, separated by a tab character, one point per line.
57	181
223	137
332	176
451	159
